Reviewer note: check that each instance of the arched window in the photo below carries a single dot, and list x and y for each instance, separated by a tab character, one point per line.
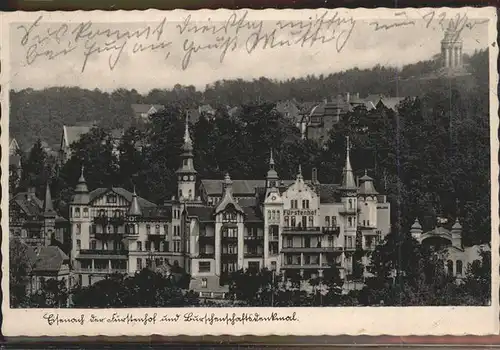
77	212
449	265
459	267
148	229
190	193
180	193
157	229
85	212
350	203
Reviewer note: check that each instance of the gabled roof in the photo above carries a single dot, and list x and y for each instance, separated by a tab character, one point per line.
31	205
252	213
72	134
392	102
98	192
49	259
140	108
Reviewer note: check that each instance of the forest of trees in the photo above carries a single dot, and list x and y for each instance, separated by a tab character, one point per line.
431	156
42	113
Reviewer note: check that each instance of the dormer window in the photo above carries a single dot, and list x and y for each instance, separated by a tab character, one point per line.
111	198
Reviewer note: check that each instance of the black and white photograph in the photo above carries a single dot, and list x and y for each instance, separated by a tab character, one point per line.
309	161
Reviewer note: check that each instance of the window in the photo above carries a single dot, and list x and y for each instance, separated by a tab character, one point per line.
190	194
330	241
204	283
349	221
78	229
157	229
139	264
349	241
184	162
459	267
277	214
293	223
254	265
305	204
111	198
449	265
165	246
273	265
350	203
289	242
85	212
327	221
158	262
139	245
148	246
368	223
177	230
294	203
148	229
204	266
131	229
311	221
117	213
77	212
93	244
180	193
78	244
334	221
287	221
102	212
165	229
177	246
364	223
268	215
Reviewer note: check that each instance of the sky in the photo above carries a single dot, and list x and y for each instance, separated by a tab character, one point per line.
37	60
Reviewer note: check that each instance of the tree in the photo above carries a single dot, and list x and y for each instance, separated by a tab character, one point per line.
51	294
35	172
144	289
19	272
477	282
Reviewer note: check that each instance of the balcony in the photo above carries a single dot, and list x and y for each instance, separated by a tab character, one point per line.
156	235
205	255
305	266
348	211
229	256
331	230
206	238
253	255
101	220
105	271
116	220
102	254
229	239
311	249
252	238
312	230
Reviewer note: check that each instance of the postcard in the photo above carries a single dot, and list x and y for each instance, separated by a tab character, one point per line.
270	172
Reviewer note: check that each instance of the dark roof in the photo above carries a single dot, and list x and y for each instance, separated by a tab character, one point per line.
328	193
252	213
98	192
31	205
202	213
49	258
157	212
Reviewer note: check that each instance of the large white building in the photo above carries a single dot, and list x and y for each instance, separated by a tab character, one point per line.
295	227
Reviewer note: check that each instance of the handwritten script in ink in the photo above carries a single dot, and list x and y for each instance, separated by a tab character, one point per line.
43	41
153	318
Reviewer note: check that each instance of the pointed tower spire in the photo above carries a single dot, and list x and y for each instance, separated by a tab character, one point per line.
81	195
271	160
299	174
227	196
188	143
135	208
348	182
272	176
48	206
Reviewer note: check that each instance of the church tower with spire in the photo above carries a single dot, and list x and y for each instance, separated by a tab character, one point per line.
348	197
186	175
49	217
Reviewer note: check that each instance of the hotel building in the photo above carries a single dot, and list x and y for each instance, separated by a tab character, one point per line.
295	227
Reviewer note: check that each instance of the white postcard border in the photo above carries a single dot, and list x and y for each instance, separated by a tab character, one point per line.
309	321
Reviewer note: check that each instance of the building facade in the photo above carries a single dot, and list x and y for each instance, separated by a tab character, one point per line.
296	227
447	239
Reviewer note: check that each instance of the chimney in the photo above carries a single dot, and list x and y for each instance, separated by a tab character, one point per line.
357	95
31	193
314	177
347	97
